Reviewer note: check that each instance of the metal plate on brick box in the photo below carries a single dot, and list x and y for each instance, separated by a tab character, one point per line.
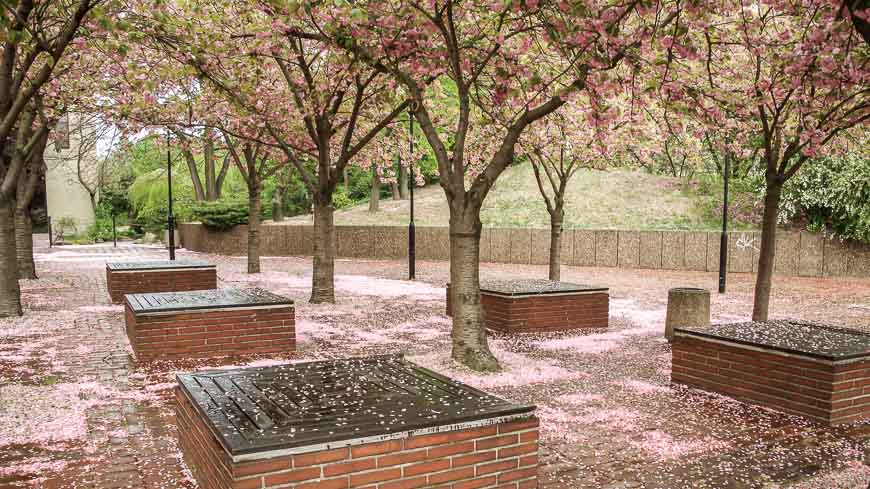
535	287
324	403
129	266
799	337
203	299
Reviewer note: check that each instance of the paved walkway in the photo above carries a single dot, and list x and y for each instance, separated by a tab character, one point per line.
76	412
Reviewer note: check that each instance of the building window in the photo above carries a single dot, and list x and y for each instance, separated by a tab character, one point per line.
61	136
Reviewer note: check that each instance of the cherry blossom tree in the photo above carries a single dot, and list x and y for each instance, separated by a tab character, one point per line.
35	36
790	78
317	104
575	138
26	190
256	162
500	68
143	88
859	12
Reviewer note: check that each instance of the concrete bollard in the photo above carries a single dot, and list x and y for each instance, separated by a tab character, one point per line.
687	306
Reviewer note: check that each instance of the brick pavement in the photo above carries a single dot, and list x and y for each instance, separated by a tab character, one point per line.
609	416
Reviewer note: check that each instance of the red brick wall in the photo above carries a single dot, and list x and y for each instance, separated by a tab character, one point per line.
828	392
211	332
544	312
503	456
140	282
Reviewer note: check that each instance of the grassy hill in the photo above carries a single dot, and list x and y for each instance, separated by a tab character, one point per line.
615	199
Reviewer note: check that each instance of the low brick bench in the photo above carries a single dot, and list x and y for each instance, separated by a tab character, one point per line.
124	278
818	371
377	422
207	323
537	306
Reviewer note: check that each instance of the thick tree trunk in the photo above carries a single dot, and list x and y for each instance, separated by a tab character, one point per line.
556	220
10	293
403	182
323	276
278	205
469	328
254	229
767	253
375	201
24	244
394	189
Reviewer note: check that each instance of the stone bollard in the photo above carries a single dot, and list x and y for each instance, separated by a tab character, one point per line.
687	306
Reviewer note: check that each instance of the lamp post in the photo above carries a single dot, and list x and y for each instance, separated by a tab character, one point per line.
723	242
170	219
412	238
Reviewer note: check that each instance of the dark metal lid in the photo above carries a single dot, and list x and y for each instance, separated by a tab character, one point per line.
535	287
125	266
203	299
790	336
327	404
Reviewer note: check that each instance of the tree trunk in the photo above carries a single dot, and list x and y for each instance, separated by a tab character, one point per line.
10	293
469	328
198	192
278	205
254	228
323	279
24	244
403	182
767	253
375	201
394	189
211	190
556	220
222	175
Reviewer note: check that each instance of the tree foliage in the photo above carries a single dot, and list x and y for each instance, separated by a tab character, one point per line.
832	193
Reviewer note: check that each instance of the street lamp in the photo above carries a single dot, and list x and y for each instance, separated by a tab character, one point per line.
170	219
723	241
412	238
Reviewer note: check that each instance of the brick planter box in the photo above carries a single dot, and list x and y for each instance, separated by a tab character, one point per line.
812	370
158	276
376	423
537	306
207	323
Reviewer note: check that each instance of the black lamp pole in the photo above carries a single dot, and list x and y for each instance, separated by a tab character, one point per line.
412	238
170	219
723	242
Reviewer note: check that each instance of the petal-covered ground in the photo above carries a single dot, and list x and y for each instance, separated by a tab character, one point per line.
77	412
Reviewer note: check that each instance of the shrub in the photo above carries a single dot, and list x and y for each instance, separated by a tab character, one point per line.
831	193
112	201
65	227
340	199
221	214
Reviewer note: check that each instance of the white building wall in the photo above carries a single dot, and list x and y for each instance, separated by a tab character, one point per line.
65	196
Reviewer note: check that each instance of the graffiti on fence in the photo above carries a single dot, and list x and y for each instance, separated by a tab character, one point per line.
745	241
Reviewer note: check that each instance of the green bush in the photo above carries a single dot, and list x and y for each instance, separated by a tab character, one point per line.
340	199
221	214
831	193
113	202
65	227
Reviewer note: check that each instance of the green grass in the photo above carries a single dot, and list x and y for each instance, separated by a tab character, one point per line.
616	199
